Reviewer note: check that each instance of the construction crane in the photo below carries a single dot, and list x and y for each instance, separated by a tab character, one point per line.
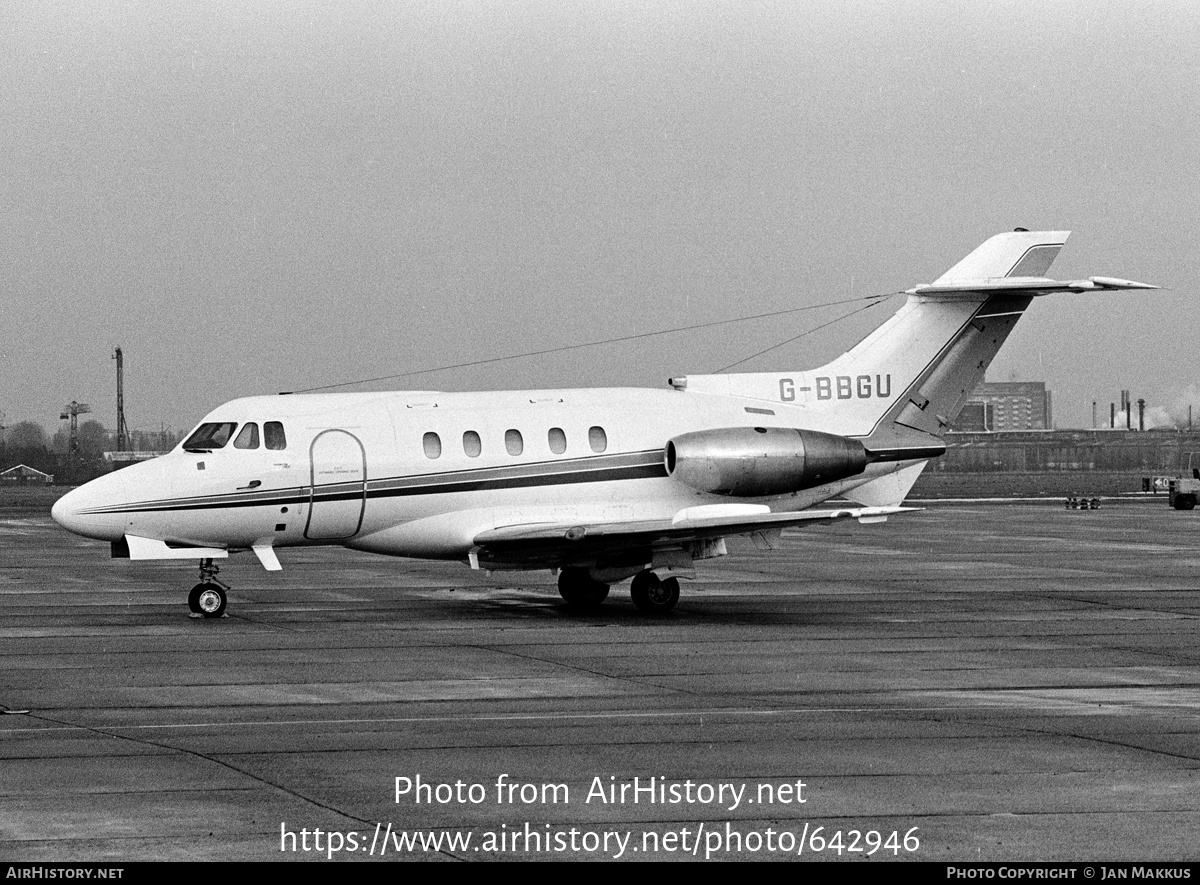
73	410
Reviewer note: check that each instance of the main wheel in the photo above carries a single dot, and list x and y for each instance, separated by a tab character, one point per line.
653	596
1185	502
576	586
208	600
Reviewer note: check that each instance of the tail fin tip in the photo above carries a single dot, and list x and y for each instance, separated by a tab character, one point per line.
1018	253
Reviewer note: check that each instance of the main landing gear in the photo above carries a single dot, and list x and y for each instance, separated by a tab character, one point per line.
650	594
207	599
576	586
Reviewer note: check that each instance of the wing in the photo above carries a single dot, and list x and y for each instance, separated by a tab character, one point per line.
555	544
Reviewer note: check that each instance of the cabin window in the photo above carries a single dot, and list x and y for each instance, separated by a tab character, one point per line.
248	438
471	444
558	440
210	436
273	436
597	439
433	445
513	442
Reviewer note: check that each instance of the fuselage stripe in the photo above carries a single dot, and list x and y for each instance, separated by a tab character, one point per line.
637	465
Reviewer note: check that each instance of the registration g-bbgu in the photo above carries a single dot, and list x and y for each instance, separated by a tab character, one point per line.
839	386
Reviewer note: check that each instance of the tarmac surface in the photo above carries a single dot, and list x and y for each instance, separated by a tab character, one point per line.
977	681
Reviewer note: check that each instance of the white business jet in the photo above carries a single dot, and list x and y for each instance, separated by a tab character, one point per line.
598	484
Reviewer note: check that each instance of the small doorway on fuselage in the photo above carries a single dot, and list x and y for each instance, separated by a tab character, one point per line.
337	492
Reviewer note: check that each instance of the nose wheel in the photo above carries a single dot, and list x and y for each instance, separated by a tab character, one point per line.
207	599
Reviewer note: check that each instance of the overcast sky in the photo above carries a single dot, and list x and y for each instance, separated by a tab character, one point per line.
258	196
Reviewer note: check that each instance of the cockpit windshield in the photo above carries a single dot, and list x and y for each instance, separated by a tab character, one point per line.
217	434
210	436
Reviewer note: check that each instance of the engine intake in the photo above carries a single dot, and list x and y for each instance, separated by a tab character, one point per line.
750	462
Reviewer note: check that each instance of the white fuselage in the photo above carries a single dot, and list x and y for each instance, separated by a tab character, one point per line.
422	473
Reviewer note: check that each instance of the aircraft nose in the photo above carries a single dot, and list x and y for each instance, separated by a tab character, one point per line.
61	511
71	512
66	512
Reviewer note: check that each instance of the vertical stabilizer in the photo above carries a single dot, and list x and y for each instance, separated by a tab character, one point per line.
990	295
913	374
1017	254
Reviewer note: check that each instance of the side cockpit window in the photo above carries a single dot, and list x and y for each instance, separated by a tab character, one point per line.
248	438
273	436
210	436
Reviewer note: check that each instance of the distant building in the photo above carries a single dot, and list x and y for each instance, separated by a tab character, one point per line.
1007	405
1053	451
975	417
124	459
23	475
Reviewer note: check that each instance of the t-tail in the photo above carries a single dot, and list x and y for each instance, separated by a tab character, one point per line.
902	387
914	373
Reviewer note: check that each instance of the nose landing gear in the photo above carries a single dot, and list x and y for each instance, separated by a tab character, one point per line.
207	599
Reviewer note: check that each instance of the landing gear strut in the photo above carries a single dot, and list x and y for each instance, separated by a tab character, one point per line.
576	586
654	596
207	599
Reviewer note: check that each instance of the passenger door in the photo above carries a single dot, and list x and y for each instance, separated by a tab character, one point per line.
337	492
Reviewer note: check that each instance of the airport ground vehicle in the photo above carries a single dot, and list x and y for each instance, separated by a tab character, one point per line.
1183	491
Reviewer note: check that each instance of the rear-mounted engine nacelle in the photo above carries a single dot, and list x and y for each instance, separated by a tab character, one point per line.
748	462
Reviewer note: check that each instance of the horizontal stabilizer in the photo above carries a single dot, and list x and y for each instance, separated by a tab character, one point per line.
1114	283
1024	286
